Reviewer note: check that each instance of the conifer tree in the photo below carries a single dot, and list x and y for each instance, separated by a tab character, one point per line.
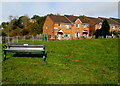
105	29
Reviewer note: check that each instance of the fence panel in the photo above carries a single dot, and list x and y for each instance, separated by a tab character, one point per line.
17	39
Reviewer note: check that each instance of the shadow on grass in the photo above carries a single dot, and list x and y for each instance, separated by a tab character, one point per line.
31	55
28	55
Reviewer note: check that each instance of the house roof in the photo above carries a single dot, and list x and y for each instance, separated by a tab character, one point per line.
66	19
109	20
116	20
83	20
71	19
59	19
95	20
74	18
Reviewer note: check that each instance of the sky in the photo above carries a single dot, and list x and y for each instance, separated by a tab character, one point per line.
91	8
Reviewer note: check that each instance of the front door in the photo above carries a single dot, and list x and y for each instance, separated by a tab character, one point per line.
59	36
77	35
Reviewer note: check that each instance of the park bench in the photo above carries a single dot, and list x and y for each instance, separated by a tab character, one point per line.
25	48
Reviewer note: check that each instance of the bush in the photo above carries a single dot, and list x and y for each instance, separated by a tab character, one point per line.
4	34
98	33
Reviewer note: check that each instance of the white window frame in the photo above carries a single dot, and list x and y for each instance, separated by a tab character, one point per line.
55	27
113	27
77	25
85	25
67	26
46	27
99	27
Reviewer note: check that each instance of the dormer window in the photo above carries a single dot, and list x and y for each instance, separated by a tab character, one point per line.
77	25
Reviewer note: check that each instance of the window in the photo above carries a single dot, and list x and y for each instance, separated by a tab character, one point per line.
116	26
85	32
50	36
113	27
77	35
77	25
85	25
46	27
99	27
55	27
66	26
67	35
59	25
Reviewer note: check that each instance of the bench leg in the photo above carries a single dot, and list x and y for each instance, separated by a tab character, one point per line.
44	58
4	56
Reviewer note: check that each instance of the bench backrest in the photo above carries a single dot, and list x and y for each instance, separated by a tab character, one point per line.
25	46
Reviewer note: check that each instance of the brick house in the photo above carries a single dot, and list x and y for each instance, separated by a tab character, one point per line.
73	27
65	27
95	23
113	24
117	21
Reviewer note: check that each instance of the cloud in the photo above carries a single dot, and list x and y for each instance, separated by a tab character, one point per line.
60	1
0	13
103	9
95	9
106	9
22	8
9	8
40	8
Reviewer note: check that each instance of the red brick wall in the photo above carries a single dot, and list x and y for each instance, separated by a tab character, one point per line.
48	26
51	28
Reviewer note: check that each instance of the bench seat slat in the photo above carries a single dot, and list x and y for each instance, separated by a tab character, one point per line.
25	49
27	45
32	51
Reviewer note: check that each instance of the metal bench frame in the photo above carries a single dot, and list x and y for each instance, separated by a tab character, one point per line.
25	48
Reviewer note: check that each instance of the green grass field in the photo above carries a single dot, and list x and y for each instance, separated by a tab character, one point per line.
85	61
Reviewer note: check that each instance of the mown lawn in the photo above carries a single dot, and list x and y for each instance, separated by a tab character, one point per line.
85	61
